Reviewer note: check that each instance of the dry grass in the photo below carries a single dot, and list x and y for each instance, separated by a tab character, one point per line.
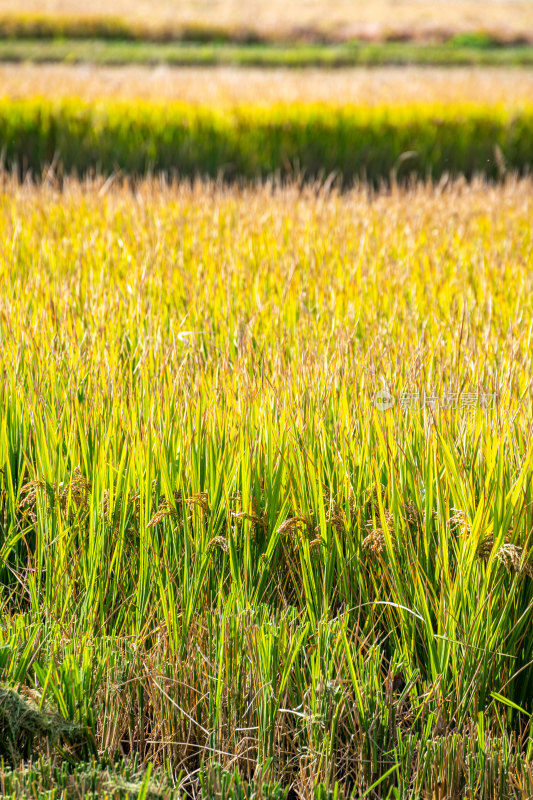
343	17
233	85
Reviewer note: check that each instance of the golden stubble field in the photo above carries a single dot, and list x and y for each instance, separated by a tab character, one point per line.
343	17
227	86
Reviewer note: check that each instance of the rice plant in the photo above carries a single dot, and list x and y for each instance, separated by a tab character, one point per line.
266	506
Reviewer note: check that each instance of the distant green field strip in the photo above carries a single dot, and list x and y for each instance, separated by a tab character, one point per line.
102	51
252	141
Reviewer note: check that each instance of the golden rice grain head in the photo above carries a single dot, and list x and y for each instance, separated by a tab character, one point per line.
220	541
165	509
77	490
351	501
484	548
200	500
292	524
374	543
412	514
389	519
337	519
458	523
510	555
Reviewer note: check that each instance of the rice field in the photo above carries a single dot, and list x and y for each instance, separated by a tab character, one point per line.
266	460
226	87
266	507
342	18
254	142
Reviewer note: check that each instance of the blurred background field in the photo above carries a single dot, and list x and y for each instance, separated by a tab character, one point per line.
256	142
339	19
230	86
306	33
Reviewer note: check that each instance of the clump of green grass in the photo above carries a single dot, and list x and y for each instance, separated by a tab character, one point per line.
24	727
196	47
122	780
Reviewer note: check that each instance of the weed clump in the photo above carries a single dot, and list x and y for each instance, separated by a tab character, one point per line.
23	727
